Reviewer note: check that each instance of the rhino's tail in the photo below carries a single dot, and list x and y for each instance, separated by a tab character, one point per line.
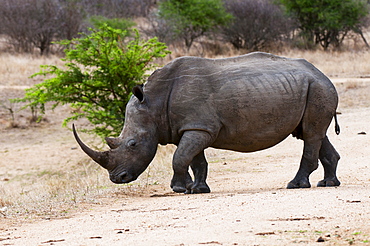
337	128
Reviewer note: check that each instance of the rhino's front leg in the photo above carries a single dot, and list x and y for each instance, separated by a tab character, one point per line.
199	166
191	144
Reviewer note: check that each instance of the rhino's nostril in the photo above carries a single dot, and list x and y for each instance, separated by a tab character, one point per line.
113	178
123	176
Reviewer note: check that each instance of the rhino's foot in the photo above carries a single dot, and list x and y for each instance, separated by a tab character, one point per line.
200	188
191	189
295	184
181	184
328	182
179	187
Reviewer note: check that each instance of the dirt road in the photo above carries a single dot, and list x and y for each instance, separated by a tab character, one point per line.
249	204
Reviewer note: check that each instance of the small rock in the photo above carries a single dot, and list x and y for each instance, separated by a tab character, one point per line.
265	233
97	237
361	133
353	201
3	210
320	240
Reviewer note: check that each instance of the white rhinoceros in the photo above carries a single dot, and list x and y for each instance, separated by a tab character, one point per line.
245	103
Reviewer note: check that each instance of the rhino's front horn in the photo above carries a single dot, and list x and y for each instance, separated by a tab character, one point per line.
100	157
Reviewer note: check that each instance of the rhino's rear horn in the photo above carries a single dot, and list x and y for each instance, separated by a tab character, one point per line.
100	157
113	143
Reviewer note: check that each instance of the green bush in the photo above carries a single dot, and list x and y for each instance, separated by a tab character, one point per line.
327	22
100	71
116	23
191	19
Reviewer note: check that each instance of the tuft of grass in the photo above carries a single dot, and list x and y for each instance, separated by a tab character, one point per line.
351	85
54	193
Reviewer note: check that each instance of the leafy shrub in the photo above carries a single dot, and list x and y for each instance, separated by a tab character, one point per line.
100	71
327	22
191	19
116	23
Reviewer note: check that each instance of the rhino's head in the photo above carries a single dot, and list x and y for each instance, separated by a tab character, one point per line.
130	153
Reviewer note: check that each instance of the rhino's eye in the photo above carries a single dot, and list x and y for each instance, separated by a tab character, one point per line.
131	143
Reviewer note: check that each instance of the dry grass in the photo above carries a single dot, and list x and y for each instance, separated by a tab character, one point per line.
336	63
347	63
51	192
353	93
48	185
59	190
15	69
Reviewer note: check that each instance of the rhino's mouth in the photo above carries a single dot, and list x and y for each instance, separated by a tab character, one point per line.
122	178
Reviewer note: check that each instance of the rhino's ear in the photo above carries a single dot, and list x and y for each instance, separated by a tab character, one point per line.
139	93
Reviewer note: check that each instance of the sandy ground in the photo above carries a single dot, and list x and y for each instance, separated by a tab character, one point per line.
249	204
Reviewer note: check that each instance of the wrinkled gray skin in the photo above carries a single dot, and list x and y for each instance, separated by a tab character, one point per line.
245	103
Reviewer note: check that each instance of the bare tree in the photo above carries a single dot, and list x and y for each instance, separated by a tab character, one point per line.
256	24
15	24
44	23
30	24
118	8
158	27
71	19
35	24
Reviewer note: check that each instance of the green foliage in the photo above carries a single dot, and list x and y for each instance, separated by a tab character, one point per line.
116	23
191	19
100	71
327	22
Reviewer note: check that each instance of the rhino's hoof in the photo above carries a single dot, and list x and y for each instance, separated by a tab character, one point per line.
179	189
200	189
296	185
328	183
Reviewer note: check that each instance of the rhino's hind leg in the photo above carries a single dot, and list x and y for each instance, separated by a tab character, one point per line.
329	158
191	146
199	166
322	101
309	163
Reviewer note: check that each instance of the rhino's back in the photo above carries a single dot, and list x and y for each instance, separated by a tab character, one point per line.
246	103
